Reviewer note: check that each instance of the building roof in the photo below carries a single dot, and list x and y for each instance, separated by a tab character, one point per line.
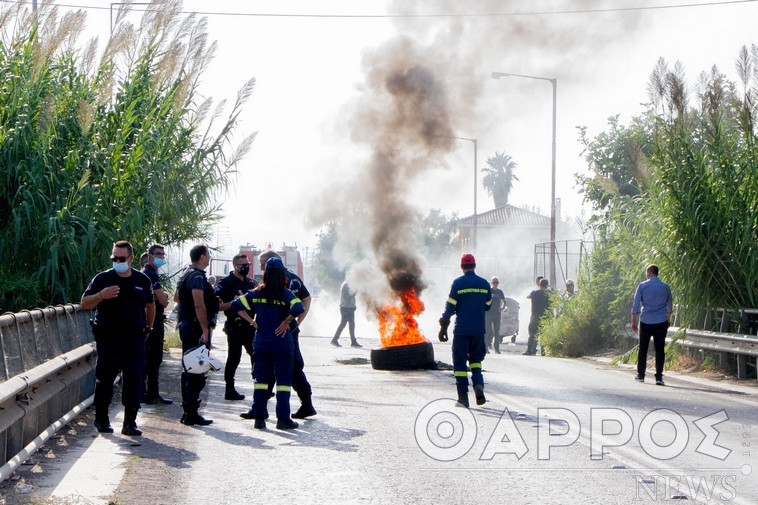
507	215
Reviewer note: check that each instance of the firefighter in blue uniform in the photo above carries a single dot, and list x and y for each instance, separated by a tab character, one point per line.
274	307
470	298
239	334
299	380
154	344
123	299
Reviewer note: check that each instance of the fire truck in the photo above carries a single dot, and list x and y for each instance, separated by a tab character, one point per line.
290	256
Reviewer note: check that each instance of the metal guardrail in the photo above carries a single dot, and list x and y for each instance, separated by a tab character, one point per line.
47	362
738	344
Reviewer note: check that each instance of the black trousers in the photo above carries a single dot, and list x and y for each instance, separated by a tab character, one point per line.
658	334
192	384
153	359
118	351
238	336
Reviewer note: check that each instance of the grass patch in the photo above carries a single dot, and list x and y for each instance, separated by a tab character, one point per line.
171	339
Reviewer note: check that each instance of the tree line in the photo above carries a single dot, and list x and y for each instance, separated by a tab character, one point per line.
677	186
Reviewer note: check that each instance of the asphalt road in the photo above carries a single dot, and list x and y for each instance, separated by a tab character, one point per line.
394	437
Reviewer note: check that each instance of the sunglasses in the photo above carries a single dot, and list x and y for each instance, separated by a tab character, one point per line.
119	259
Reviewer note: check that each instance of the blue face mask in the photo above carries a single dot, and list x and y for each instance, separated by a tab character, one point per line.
120	267
159	262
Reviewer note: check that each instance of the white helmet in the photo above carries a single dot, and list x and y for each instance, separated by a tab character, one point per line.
197	361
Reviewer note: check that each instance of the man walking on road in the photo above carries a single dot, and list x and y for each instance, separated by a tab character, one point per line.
123	299
651	313
347	313
470	297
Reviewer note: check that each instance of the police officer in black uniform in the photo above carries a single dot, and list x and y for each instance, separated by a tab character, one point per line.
239	333
156	258
123	299
197	307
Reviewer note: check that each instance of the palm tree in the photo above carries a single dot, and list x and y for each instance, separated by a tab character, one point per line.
499	177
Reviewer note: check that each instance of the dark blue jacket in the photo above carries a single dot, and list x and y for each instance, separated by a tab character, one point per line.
470	297
269	313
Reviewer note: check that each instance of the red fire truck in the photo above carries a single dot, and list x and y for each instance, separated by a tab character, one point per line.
290	256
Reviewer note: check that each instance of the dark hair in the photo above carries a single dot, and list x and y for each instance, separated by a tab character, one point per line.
123	244
143	258
653	269
544	283
152	248
197	251
538	279
239	257
274	283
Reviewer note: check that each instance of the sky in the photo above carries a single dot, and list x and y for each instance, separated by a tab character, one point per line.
310	73
320	111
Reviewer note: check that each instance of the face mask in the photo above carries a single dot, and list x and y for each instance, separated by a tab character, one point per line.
244	270
159	262
120	267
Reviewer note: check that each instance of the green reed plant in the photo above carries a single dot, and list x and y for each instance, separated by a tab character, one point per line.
92	151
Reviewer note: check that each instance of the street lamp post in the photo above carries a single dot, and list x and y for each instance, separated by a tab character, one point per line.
554	82
476	216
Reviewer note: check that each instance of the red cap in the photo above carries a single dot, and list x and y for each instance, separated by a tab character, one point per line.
467	260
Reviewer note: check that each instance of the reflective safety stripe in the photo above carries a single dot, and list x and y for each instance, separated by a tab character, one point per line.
460	374
452	301
283	389
471	290
489	302
294	301
243	300
260	385
475	365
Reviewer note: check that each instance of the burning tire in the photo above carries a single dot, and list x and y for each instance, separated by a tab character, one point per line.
403	357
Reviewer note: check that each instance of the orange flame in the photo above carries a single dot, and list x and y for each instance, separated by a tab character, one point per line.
397	323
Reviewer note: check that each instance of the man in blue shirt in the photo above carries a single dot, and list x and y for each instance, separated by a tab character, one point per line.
652	310
470	297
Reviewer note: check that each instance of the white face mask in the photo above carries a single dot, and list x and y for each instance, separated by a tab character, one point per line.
120	267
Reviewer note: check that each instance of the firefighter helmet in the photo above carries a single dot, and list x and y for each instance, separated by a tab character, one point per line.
197	361
468	260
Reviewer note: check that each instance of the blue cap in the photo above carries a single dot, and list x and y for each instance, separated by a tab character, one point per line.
275	264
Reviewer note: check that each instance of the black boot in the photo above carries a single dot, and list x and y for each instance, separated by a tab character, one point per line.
103	425
130	423
191	417
231	393
479	393
305	410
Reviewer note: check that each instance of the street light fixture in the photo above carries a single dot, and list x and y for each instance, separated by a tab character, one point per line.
476	217
554	82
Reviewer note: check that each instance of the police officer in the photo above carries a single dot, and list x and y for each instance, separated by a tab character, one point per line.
197	307
156	258
470	297
299	380
239	333
275	307
123	299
